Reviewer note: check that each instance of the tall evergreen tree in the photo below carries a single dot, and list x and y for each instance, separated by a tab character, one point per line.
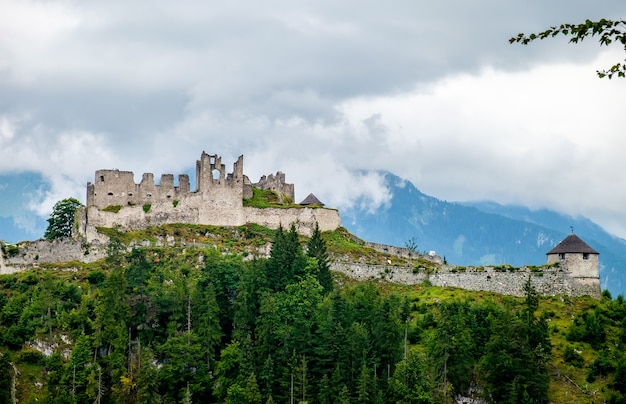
514	366
5	379
316	248
287	263
409	383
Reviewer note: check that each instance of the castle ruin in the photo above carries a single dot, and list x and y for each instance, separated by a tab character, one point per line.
114	200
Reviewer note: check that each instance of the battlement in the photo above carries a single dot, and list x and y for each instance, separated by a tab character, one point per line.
115	187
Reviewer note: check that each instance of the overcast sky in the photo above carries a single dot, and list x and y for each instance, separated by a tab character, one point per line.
431	91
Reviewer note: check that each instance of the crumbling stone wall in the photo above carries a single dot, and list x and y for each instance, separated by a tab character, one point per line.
305	219
213	184
114	187
546	280
33	253
277	184
403	252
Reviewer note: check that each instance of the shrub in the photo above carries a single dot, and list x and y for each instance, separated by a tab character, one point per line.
572	356
96	277
30	279
146	207
175	203
112	208
10	250
602	366
30	355
13	337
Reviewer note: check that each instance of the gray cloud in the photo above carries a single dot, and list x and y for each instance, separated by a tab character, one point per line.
320	90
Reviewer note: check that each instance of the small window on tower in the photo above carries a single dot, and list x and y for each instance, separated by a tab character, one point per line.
562	256
102	178
585	256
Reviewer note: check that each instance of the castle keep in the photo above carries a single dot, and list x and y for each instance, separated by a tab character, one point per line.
115	200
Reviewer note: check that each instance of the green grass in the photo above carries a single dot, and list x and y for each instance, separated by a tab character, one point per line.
112	208
9	250
265	198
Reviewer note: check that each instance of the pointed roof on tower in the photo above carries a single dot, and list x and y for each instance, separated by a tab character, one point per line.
311	200
572	244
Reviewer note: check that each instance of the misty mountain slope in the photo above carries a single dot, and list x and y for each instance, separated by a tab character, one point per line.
481	233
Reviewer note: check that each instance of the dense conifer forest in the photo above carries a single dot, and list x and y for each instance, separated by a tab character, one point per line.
196	324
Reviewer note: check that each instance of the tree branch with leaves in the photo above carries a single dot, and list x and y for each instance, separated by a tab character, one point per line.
61	221
607	31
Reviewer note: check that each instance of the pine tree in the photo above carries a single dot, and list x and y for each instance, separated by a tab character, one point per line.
5	379
364	385
316	248
287	262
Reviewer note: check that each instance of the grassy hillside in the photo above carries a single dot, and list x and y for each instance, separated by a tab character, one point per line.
218	320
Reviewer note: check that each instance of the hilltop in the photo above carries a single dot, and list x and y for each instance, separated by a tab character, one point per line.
218	314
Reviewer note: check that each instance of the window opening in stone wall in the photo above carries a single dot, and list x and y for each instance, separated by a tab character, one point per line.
211	160
148	195
216	174
585	256
110	194
130	194
562	256
102	178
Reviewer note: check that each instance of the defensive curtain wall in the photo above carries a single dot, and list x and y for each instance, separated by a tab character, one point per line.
548	280
114	200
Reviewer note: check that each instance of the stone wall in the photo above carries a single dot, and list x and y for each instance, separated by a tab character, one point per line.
194	210
277	184
403	252
546	280
114	187
304	218
33	253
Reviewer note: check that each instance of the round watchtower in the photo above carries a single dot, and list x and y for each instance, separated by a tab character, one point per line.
578	259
